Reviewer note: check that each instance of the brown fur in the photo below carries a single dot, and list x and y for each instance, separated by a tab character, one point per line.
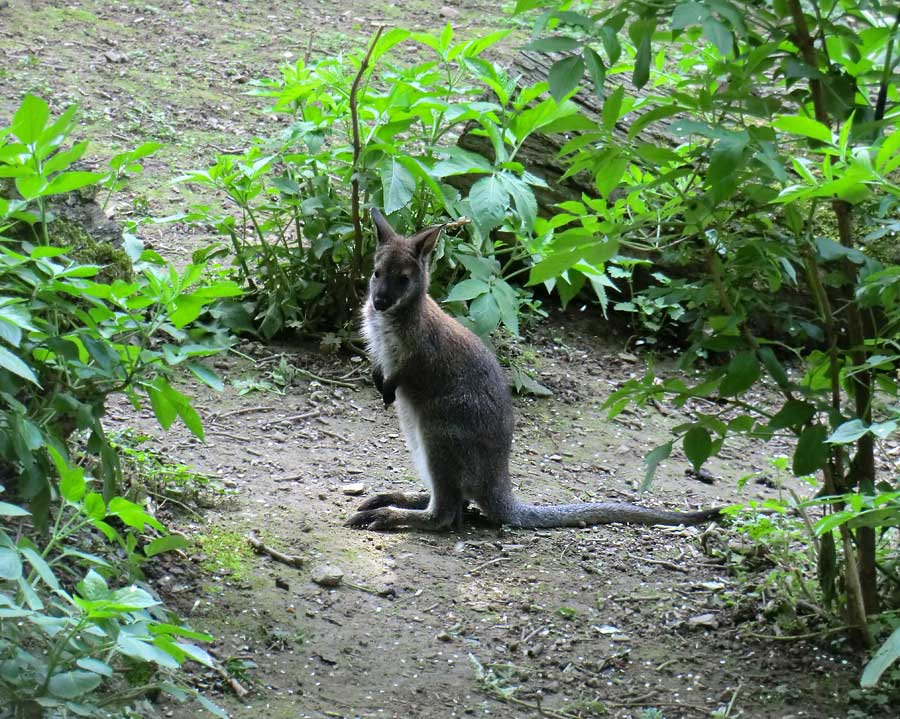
455	408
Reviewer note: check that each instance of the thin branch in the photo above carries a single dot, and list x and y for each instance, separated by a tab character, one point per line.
357	151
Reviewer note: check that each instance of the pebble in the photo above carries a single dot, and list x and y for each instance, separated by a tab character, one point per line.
448	12
703	620
354	490
326	575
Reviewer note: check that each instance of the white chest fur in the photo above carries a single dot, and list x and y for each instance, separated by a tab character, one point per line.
384	350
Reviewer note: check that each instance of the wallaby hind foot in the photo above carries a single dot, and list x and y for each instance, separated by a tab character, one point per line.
426	520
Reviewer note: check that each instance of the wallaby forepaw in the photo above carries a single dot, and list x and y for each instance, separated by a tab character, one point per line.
376	519
389	395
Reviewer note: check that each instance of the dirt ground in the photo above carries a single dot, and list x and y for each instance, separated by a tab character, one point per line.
610	621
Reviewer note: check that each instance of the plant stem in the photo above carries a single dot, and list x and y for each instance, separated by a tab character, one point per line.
356	266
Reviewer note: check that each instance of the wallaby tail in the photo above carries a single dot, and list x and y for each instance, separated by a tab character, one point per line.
532	516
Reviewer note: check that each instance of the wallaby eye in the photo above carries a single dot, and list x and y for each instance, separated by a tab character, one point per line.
403	279
377	274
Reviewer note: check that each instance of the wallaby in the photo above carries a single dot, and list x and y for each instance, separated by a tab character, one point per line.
455	408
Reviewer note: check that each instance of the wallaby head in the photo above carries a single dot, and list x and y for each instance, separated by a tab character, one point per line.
401	265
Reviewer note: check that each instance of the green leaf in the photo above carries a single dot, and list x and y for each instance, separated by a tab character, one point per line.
467	290
887	654
687	14
794	413
94	506
207	376
612	107
166	544
508	304
68	181
30	119
805	126
564	76
848	432
10	564
742	373
610	39
211	707
652	461
489	200
12	510
95	665
144	651
165	411
718	35
14	364
811	453
41	568
398	186
774	367
484	313
641	33
523	197
93	586
74	684
596	69
552	44
697	446
132	514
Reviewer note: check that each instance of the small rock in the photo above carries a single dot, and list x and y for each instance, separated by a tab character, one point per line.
608	629
114	56
449	12
282	584
354	490
628	357
703	620
326	575
444	637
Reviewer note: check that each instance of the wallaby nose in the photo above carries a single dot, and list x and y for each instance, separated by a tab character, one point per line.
381	302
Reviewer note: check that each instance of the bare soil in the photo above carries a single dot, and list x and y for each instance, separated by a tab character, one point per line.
608	621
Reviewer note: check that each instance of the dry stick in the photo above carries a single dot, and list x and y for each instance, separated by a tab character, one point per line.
481	566
292	478
229	435
260	548
661	562
295	418
214	417
357	151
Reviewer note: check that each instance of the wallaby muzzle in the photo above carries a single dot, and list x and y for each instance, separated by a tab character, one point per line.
382	302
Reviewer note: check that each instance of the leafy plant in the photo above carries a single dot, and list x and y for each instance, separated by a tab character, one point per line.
68	338
91	649
366	131
772	160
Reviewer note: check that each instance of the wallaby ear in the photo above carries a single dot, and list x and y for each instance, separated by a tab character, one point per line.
423	242
383	230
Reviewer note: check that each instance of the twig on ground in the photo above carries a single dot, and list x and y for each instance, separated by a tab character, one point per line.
229	435
291	478
660	562
797	637
296	417
479	567
261	548
215	416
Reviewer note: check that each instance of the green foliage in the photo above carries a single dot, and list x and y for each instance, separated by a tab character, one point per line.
69	643
758	159
69	337
367	131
